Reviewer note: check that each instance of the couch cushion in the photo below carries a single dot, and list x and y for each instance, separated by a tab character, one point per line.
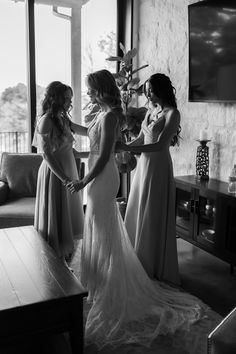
17	212
20	171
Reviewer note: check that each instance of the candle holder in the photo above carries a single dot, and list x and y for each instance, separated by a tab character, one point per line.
202	160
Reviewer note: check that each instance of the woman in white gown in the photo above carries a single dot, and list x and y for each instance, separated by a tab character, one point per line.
126	305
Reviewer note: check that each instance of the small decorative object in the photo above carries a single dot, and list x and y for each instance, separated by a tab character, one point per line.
209	235
208	208
202	158
232	181
122	204
203	135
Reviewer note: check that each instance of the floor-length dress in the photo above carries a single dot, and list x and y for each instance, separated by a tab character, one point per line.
59	215
150	213
126	306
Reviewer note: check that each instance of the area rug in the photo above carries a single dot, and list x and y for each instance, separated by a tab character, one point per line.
191	342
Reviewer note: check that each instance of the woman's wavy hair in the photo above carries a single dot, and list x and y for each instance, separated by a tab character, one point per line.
162	87
107	91
53	104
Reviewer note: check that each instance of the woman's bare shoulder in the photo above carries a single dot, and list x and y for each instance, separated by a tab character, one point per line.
110	119
172	114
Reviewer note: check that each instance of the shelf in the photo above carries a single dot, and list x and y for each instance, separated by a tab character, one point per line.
206	216
208	235
182	227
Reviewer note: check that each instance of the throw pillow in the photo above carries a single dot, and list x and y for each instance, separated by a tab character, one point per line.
20	171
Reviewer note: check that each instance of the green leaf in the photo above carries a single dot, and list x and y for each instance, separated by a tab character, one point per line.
115	75
132	90
133	82
122	72
129	55
140	90
122	48
112	58
120	80
141	67
124	87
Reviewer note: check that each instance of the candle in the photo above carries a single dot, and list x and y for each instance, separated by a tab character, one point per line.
203	135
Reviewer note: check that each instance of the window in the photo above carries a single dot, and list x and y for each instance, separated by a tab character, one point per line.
13	90
98	38
57	57
52	47
98	41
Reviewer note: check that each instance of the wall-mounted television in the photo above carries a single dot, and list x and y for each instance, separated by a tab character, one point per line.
212	51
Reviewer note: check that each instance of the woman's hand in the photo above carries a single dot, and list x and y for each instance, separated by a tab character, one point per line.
75	186
121	146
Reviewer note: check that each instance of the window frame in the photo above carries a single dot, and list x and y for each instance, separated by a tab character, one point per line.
125	9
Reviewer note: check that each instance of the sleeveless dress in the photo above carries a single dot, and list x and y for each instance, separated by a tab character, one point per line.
59	215
150	213
124	305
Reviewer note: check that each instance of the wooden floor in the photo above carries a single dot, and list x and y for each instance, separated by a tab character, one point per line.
202	275
207	277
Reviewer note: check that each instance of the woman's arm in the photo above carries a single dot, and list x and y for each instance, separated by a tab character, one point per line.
140	138
108	136
137	141
79	129
170	129
44	129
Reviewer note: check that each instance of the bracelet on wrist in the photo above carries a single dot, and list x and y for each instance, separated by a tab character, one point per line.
65	181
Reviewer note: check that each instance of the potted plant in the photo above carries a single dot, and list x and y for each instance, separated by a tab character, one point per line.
129	87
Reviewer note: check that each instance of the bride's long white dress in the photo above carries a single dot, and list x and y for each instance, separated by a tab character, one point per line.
126	306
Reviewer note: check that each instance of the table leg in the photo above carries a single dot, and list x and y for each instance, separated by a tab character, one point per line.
76	333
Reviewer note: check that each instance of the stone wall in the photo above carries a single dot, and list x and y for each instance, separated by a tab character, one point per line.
162	42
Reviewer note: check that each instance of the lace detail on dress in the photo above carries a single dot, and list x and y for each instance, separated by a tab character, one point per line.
94	132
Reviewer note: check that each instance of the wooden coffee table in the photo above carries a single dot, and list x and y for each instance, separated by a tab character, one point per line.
38	294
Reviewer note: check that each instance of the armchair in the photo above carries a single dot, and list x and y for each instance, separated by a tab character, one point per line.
18	182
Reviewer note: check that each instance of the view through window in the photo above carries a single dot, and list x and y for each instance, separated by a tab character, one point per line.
13	92
53	59
52	48
98	41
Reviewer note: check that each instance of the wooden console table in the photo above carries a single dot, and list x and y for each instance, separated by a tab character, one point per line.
38	294
206	216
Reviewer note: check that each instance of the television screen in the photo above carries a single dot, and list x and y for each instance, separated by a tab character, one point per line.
212	51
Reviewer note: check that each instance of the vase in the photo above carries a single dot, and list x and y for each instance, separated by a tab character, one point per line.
202	160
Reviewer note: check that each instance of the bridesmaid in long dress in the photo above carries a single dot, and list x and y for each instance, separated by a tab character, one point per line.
58	214
150	214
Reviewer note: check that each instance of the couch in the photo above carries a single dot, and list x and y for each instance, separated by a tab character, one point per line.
222	340
18	181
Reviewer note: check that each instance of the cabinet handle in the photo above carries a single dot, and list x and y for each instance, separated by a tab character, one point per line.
192	207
